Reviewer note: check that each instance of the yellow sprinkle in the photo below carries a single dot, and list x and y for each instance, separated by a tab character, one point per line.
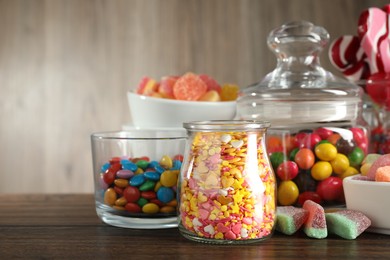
219	235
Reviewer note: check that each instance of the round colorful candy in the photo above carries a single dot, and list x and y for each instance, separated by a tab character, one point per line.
321	170
305	158
340	163
330	189
325	151
287	170
287	193
131	194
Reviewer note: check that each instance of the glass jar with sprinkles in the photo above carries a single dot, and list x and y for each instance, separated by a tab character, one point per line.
227	186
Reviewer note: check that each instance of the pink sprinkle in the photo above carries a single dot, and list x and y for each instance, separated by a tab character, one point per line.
228	157
230	235
237	228
204	214
214	158
247	221
192	184
222	228
206	205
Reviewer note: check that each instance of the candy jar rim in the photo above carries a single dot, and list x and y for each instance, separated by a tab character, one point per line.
227	125
139	134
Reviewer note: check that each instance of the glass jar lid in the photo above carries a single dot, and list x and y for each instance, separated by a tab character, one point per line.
299	90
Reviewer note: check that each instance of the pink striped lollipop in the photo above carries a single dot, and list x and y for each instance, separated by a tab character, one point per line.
346	54
374	38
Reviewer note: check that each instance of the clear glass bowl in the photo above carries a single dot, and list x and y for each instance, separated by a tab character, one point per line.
135	177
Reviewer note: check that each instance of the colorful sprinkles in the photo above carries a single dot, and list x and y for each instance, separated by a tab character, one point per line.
227	187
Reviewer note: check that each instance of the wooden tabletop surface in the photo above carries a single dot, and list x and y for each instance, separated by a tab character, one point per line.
67	227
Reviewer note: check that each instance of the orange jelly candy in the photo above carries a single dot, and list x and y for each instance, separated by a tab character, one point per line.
189	87
229	92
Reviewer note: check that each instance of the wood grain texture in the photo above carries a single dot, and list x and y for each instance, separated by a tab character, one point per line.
65	67
67	227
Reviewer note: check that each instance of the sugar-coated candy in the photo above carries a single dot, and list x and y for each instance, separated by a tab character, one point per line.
289	219
315	225
141	186
383	160
383	174
165	89
229	92
210	96
211	83
348	224
189	87
147	86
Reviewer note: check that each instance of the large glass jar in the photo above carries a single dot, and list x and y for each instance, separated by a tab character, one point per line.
227	186
317	135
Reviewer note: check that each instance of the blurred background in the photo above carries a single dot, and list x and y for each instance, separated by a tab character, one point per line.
66	65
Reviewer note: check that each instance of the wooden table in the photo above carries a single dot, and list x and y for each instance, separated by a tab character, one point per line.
67	227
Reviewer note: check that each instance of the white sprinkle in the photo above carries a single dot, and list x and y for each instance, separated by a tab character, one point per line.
210	229
237	143
244	233
226	138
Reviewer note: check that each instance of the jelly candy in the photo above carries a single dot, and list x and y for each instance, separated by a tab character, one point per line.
211	83
383	160
147	86
348	224
211	96
166	86
189	87
315	225
290	219
229	92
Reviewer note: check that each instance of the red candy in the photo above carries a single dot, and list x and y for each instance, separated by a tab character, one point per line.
211	83
309	195
287	170
131	194
331	188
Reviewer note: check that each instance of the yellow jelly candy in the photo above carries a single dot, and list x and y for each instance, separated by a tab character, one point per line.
211	96
229	92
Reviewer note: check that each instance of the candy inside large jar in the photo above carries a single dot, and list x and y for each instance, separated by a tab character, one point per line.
318	135
227	186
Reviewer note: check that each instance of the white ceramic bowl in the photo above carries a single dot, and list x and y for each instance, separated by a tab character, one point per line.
158	112
371	198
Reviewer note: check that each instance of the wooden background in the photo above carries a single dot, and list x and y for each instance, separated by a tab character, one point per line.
66	65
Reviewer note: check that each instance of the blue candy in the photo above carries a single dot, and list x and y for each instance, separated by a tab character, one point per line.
165	194
137	180
127	165
154	176
176	165
105	167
